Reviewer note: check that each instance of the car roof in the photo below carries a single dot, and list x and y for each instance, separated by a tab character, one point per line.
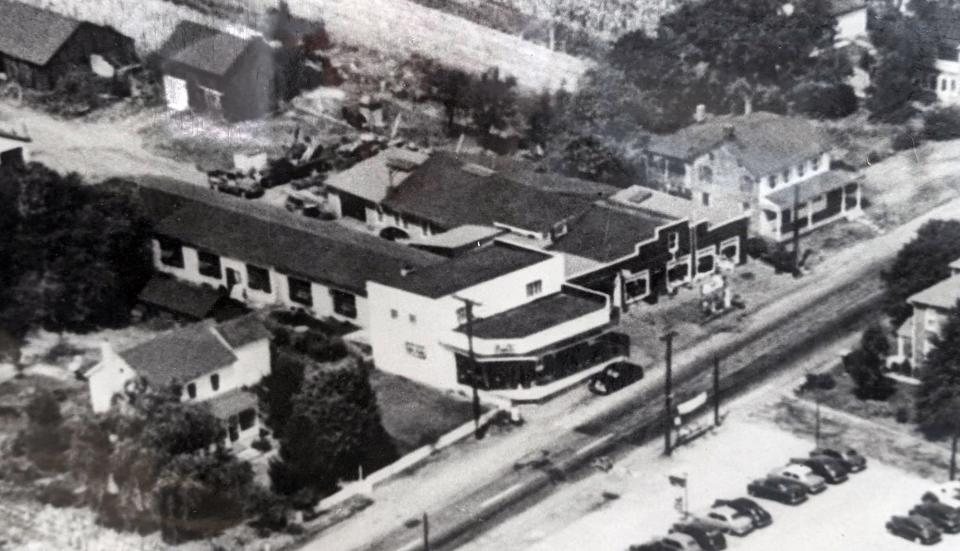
682	538
726	509
936	505
920	520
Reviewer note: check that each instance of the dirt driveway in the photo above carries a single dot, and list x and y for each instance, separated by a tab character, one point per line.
108	147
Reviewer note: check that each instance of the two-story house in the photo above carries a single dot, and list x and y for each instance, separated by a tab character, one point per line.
775	167
506	304
930	310
210	363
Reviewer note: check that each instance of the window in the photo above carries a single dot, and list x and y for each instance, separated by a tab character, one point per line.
379	213
215	382
730	249
800	170
209	264
192	390
394	313
412	318
706	174
710	156
248	418
678	272
416	350
258	278
745	205
534	288
815	163
706	199
673	241
771	182
300	291
462	315
344	303
425	228
171	252
560	230
785	175
706	261
636	286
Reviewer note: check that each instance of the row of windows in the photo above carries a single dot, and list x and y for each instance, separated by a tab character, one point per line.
800	170
534	288
214	385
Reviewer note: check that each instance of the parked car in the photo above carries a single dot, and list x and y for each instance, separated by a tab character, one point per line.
945	517
803	475
849	457
947	493
831	470
778	489
680	542
728	520
745	506
914	528
655	545
234	183
709	537
614	377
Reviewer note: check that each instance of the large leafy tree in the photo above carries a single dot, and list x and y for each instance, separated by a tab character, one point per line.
493	101
938	397
866	366
906	48
921	263
334	428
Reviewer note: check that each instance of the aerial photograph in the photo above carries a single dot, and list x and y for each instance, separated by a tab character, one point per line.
479	275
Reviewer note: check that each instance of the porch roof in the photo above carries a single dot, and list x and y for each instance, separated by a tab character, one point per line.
818	185
536	316
232	403
193	301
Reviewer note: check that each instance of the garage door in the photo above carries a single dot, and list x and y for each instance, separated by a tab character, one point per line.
175	90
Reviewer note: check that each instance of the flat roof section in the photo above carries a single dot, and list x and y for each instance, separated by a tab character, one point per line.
534	317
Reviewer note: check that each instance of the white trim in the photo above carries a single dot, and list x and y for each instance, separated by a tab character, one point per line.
644	274
673	264
710	251
734	241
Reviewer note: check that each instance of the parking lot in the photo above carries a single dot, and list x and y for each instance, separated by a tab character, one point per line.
640	502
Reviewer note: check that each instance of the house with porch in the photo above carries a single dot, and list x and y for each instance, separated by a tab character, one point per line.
209	71
775	167
210	363
507	305
931	307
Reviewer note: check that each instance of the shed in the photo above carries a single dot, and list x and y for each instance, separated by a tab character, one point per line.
38	47
206	70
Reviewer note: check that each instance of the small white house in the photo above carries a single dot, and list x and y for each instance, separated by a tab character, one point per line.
931	307
211	363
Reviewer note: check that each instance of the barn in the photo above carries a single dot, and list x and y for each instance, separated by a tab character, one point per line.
38	47
209	71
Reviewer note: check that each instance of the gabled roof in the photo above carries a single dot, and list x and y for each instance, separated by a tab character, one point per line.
203	48
606	233
32	34
321	251
534	317
179	355
371	179
450	193
469	269
243	330
943	295
764	142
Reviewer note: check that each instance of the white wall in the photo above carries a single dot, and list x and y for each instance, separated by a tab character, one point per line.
107	379
253	364
852	25
536	341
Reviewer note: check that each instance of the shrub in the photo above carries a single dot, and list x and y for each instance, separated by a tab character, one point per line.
942	124
903	414
824	101
820	381
906	139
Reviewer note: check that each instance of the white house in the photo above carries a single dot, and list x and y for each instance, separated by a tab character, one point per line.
930	310
525	326
210	363
851	20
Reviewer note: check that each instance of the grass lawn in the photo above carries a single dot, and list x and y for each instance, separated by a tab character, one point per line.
415	414
881	411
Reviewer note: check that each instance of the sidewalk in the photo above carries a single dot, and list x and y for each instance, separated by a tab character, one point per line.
464	469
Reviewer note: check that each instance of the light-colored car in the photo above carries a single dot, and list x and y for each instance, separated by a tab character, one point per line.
802	474
727	519
947	493
679	542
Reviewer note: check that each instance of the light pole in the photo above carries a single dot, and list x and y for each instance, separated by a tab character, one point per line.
668	391
468	308
426	533
816	429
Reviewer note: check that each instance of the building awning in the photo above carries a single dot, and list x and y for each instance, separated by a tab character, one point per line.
536	316
814	187
194	301
232	403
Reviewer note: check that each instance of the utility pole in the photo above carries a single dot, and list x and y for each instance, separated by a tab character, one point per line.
668	391
796	230
816	429
716	390
953	456
474	375
426	533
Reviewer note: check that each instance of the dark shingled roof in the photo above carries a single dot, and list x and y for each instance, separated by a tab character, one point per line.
203	48
231	403
442	192
32	34
321	251
243	330
606	233
176	296
764	142
182	355
467	270
534	317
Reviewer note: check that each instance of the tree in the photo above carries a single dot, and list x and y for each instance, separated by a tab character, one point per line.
906	49
334	428
276	390
450	87
938	397
589	158
921	263
866	366
492	101
541	119
45	438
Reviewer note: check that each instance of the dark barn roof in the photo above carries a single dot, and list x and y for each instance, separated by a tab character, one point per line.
606	233
449	193
32	34
203	48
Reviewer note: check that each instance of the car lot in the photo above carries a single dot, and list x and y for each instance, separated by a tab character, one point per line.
851	515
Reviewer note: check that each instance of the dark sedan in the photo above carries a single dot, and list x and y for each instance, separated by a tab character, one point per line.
614	377
758	515
853	461
914	528
832	470
945	517
706	536
778	489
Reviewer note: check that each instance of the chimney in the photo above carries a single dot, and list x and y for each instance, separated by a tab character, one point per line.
700	114
728	132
